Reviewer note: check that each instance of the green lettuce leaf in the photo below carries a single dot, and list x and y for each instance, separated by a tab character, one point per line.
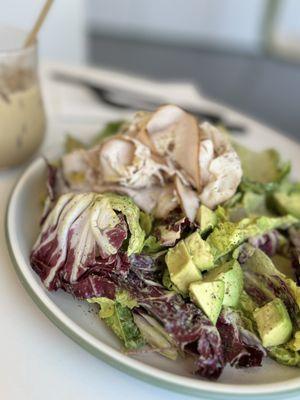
251	204
247	305
287	354
152	245
286	200
146	222
246	308
132	213
125	299
229	235
118	316
284	355
294	344
262	171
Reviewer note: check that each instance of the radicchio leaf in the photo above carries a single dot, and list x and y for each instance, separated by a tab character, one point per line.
263	283
91	286
155	334
75	239
172	229
51	192
268	243
278	288
186	324
294	237
241	347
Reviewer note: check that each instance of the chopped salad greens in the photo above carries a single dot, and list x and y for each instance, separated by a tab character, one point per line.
187	256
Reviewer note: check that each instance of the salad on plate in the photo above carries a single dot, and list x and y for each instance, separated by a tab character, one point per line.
187	241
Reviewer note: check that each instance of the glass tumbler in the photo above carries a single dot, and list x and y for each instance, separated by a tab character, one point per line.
22	116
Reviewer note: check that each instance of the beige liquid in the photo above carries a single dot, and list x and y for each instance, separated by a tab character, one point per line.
22	125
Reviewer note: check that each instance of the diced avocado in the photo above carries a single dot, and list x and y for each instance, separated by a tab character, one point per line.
273	323
199	251
209	297
166	281
206	218
232	276
288	203
181	267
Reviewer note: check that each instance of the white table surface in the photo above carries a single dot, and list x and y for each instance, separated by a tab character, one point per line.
37	361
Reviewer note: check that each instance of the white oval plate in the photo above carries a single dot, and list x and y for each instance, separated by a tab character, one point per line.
83	326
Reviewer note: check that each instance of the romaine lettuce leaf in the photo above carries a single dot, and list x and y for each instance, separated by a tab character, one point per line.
151	245
118	316
146	222
262	171
294	344
247	305
284	355
250	205
229	235
131	212
289	353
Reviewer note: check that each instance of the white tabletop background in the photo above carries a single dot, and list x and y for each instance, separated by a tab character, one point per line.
37	361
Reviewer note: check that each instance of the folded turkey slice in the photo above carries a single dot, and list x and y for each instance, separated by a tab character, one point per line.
223	170
161	160
127	161
175	134
189	199
156	200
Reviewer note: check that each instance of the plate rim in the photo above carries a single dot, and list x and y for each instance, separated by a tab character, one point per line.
114	357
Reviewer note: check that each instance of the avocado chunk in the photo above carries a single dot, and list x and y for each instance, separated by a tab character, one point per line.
209	297
288	203
273	323
181	267
199	251
206	218
231	274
